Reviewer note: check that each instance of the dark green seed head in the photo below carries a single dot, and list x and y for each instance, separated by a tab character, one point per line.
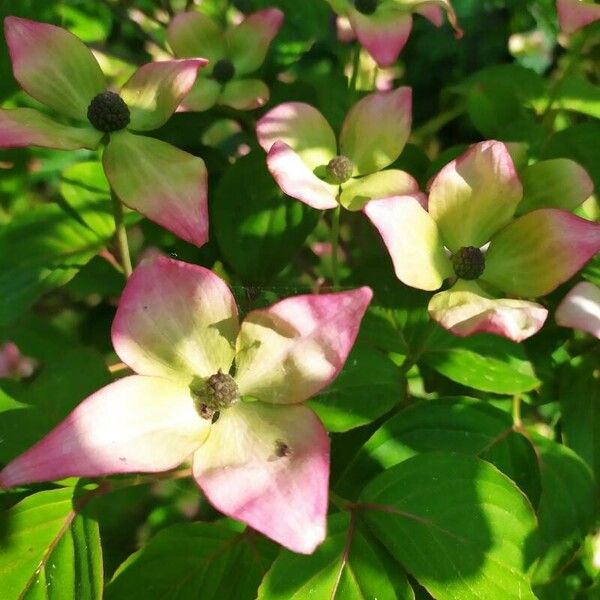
108	112
223	71
339	169
366	7
468	262
214	394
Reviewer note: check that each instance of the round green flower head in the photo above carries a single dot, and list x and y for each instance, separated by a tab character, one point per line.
468	262
216	393
366	7
339	169
223	71
108	112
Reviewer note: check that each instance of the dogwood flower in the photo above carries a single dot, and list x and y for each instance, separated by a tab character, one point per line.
383	26
580	309
309	164
231	394
53	66
468	235
233	54
574	15
13	364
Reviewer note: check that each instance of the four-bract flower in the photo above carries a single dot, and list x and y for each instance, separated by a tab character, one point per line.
259	455
53	66
383	26
233	54
309	164
574	15
580	309
472	202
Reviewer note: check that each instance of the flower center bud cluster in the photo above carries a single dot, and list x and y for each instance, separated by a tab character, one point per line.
339	169
468	262
366	7
223	71
214	394
108	112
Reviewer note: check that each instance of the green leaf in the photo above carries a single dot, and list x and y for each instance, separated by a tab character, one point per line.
579	393
50	549
258	228
580	144
193	560
566	511
40	250
577	94
67	373
484	362
462	425
457	524
369	385
349	565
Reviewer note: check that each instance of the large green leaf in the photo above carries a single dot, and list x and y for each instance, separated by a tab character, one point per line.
485	362
567	506
41	250
580	406
194	560
457	524
258	228
452	425
50	549
369	385
349	565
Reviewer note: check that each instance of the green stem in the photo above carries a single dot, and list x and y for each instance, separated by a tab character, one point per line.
516	411
335	242
355	67
121	235
436	123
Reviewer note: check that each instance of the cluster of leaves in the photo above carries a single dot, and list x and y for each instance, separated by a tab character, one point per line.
461	468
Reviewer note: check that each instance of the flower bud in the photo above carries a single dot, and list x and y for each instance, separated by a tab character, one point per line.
108	112
214	394
468	262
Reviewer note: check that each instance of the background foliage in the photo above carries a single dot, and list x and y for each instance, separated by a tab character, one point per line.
484	454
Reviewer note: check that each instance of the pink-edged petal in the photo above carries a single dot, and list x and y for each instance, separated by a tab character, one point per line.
580	309
268	466
175	320
412	239
290	351
165	184
466	309
432	10
295	178
556	183
575	14
376	128
21	127
245	94
53	66
250	40
203	95
303	128
155	90
393	182
475	195
135	425
539	251
383	34
193	34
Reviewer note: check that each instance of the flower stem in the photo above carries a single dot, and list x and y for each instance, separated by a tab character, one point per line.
335	239
121	235
355	67
516	411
